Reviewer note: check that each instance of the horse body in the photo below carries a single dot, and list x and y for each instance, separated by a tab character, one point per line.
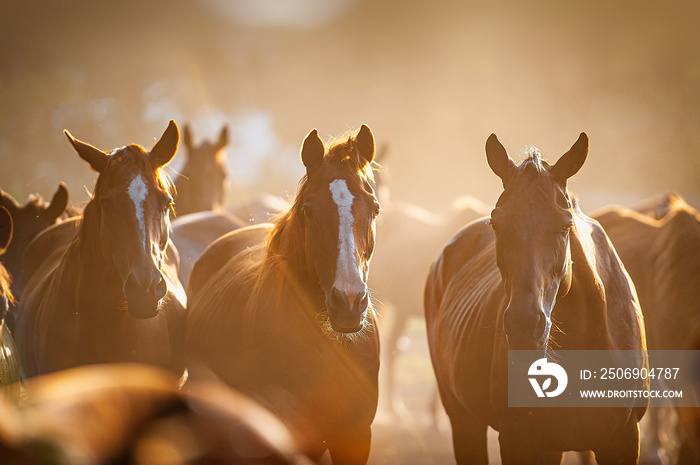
498	285
192	233
661	252
101	288
268	316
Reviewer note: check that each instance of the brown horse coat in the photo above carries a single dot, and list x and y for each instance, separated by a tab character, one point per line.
100	288
265	309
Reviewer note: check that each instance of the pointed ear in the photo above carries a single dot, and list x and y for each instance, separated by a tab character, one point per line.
5	229
571	161
165	148
58	204
365	143
94	156
312	152
498	158
223	138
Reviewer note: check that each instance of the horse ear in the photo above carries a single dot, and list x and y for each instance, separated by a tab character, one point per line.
498	158
58	204
365	143
94	156
223	137
165	148
312	152
5	229
571	161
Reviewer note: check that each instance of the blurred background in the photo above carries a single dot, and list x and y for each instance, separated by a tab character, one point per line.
432	80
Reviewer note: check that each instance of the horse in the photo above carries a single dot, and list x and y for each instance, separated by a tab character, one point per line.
134	414
537	274
28	221
9	365
192	233
201	184
282	311
660	248
103	288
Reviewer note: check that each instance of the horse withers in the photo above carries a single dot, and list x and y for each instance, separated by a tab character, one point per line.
283	313
537	275
104	288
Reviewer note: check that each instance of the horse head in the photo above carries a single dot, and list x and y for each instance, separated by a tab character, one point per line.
338	208
532	222
130	215
202	184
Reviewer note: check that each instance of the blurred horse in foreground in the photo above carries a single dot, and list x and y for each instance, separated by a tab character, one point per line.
539	275
282	311
130	414
104	287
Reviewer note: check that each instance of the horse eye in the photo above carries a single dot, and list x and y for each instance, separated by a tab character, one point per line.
308	211
375	213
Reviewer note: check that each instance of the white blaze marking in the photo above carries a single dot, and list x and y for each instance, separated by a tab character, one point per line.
137	191
347	276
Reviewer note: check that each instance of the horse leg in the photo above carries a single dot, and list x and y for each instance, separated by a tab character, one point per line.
621	448
469	434
351	447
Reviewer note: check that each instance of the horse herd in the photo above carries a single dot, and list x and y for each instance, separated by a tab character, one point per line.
250	335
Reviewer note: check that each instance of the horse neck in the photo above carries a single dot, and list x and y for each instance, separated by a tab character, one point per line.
98	276
582	314
285	263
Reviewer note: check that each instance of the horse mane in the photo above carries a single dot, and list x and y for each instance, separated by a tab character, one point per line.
5	285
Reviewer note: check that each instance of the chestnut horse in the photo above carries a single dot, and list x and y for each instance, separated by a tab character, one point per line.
201	184
661	252
499	284
282	311
100	288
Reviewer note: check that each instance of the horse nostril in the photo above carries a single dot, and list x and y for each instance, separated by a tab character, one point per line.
362	301
338	298
161	288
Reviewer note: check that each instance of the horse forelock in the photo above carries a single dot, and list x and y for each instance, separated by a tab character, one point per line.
134	158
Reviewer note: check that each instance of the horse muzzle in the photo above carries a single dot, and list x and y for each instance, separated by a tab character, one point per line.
347	311
143	294
525	328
